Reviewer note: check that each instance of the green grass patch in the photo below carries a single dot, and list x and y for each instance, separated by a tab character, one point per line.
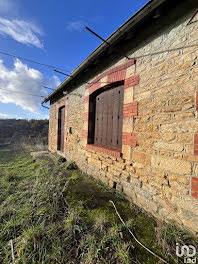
55	214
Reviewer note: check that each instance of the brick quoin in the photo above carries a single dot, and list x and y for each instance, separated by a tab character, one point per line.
84	133
86	99
65	132
194	187
132	81
85	116
129	139
196	144
130	109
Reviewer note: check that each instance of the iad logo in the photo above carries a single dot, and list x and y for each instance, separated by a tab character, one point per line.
187	251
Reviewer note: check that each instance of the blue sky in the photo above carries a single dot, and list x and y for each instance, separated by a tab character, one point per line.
51	32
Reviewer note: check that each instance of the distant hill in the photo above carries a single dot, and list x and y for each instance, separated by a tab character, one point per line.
12	130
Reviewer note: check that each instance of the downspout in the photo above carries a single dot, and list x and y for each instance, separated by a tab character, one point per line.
44	105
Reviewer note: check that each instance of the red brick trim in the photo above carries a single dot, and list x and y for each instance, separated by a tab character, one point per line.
84	133
66	120
196	144
108	151
113	70
95	87
85	116
86	99
134	80
61	103
130	109
116	76
129	139
197	100
65	135
194	187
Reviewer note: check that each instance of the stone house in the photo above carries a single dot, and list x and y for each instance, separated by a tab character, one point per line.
128	114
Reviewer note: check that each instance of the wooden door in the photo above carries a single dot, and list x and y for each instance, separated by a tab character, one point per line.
108	118
61	128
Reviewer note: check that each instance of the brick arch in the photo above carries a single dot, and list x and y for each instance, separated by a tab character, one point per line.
113	75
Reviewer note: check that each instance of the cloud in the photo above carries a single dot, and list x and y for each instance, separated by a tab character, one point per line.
53	82
25	80
9	116
21	31
35	115
75	25
3	116
78	25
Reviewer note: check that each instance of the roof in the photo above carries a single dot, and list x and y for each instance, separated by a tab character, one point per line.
114	37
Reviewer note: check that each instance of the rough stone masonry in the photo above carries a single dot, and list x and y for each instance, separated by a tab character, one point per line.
158	165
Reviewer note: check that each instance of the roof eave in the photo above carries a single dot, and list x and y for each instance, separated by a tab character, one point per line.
130	23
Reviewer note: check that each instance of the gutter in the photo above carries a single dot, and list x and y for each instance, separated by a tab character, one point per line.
129	24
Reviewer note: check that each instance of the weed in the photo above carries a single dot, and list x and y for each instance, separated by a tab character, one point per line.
75	176
57	215
70	165
169	234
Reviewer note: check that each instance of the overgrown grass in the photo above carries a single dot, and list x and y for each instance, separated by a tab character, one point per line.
55	214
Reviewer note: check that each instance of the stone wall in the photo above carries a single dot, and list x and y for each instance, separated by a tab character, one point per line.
158	164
